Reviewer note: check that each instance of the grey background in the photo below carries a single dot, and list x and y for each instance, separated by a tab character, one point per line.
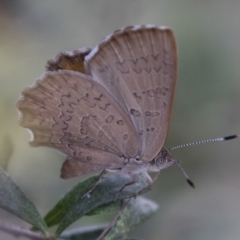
206	105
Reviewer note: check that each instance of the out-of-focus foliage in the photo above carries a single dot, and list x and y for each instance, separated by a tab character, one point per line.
105	198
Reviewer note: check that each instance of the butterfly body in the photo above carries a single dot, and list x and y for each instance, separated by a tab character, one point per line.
108	107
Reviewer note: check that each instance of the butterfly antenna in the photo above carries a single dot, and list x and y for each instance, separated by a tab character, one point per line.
205	141
196	143
185	175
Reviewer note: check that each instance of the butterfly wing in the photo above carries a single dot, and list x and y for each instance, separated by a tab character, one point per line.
72	168
138	66
68	111
72	60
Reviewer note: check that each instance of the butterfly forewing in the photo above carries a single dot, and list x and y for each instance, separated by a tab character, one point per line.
138	67
68	111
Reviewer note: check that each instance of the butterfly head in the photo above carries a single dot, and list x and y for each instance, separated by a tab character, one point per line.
163	160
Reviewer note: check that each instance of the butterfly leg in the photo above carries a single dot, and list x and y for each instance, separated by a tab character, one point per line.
95	184
149	181
148	187
122	188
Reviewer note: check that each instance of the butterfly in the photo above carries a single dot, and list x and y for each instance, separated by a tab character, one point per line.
107	108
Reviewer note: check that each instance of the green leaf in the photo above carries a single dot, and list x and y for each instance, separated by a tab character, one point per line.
106	208
137	211
104	193
83	233
13	200
57	213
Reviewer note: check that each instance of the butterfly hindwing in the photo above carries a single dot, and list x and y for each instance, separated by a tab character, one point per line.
70	112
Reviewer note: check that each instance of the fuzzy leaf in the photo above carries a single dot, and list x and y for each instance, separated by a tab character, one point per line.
135	213
104	193
57	213
13	200
83	233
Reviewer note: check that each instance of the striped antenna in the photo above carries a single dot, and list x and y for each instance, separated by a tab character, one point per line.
205	141
196	143
189	181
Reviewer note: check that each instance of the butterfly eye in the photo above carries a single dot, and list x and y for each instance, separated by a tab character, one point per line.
161	161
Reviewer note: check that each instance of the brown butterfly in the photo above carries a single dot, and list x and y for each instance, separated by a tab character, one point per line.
107	108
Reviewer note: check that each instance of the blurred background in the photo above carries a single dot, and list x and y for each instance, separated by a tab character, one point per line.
206	105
